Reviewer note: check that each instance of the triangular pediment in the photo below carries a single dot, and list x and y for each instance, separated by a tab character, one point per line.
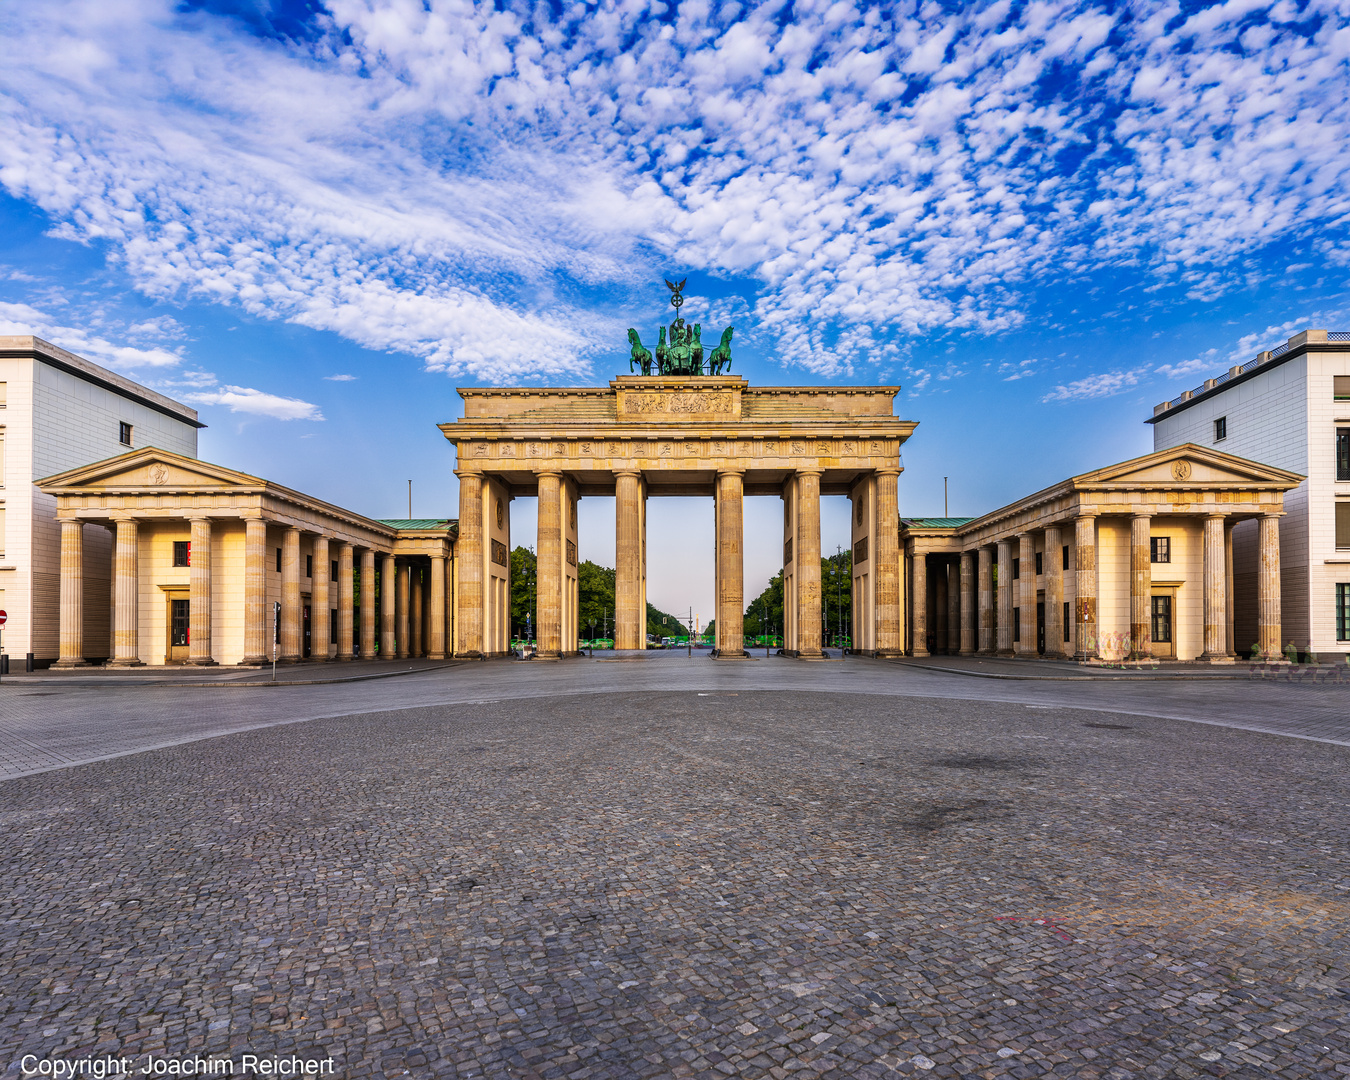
150	469
1187	465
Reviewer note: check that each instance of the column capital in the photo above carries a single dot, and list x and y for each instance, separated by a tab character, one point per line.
633	471
1219	514
549	470
809	470
888	470
731	470
1275	514
1086	512
1139	515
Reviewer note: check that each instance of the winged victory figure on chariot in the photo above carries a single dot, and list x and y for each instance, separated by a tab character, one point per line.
679	346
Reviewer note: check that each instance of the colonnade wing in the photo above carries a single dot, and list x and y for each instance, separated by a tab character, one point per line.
702	435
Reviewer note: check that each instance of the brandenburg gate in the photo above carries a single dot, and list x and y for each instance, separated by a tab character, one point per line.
677	434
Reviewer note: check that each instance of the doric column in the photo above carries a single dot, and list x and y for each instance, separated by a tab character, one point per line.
290	596
126	585
436	617
886	568
951	574
967	603
1216	591
388	589
918	602
1141	586
987	643
320	624
630	621
1229	595
730	606
404	630
470	551
72	594
1085	586
807	554
1005	598
416	595
345	601
548	575
1268	587
367	604
1053	563
1026	595
257	649
199	594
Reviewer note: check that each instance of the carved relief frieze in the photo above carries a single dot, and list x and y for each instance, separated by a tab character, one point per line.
500	555
860	551
571	553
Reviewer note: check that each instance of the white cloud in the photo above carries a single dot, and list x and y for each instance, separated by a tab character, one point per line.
242	399
460	181
1094	386
339	378
21	319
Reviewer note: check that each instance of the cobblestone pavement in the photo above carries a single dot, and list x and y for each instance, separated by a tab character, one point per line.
691	883
57	721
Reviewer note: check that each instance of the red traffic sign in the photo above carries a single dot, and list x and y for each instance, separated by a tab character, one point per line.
3	617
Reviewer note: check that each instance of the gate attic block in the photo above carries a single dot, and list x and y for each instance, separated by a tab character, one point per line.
699	435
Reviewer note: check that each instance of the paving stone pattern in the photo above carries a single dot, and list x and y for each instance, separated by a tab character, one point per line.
692	884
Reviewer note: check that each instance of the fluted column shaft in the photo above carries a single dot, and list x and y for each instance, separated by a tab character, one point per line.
471	587
1005	598
1053	564
436	618
367	604
388	589
630	622
1216	590
1268	587
886	566
807	549
967	603
320	605
918	603
548	575
1229	595
346	601
72	594
987	643
126	586
1026	595
404	630
951	571
730	608
1141	586
1085	586
416	595
199	593
257	649
290	596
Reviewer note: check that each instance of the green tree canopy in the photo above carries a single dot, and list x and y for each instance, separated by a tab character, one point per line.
522	591
836	596
595	600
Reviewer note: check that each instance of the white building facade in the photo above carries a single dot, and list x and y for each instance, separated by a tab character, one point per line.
59	411
1289	408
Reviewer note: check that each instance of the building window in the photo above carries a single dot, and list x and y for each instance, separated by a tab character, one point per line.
1340	387
1040	564
1343	453
1068	626
1343	612
333	575
309	566
124	433
182	553
1017	569
1017	622
278	560
1066	556
1343	525
1161	549
1221	429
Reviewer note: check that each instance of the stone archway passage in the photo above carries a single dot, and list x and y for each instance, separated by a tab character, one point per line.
662	435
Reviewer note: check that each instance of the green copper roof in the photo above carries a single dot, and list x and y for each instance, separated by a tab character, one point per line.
934	523
418	523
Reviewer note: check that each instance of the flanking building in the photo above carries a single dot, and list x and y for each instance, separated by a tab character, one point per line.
1288	407
58	411
1133	560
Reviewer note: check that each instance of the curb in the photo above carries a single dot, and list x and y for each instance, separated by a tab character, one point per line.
236	685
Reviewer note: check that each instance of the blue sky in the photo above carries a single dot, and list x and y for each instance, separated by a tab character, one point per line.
314	221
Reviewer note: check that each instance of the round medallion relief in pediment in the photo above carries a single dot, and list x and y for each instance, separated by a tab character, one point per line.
1181	470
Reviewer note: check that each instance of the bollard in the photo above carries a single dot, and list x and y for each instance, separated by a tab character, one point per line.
28	663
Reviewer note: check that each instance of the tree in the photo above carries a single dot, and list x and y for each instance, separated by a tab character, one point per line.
710	631
523	587
769	605
663	624
595	600
836	594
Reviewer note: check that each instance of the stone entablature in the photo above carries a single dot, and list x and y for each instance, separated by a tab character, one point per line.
686	435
